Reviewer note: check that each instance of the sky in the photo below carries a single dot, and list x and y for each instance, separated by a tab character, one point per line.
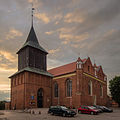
67	29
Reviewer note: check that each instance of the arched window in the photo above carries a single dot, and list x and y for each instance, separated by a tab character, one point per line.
56	90
79	65
95	72
101	90
69	88
90	87
88	68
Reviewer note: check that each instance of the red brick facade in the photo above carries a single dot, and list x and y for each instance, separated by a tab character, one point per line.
27	84
80	79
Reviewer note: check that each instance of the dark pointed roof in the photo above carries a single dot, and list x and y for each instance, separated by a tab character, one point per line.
32	41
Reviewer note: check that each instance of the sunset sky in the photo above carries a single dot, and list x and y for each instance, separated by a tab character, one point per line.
65	28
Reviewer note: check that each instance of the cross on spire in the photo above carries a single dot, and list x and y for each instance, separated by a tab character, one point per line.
32	13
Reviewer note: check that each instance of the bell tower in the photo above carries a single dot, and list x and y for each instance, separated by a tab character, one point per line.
31	84
32	54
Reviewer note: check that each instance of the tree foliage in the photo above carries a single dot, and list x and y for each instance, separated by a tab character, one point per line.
2	105
114	86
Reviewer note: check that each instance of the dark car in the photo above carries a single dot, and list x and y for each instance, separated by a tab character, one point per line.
106	109
61	110
103	108
88	109
99	107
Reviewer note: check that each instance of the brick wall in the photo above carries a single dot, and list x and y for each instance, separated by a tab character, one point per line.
25	85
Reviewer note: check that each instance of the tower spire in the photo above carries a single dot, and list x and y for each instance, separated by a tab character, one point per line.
32	13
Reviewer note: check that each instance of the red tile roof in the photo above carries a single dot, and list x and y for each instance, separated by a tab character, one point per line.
68	68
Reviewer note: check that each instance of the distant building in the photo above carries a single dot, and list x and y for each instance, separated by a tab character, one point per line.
72	85
7	105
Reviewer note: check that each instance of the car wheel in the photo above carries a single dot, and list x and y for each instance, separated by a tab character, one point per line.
79	112
92	113
63	114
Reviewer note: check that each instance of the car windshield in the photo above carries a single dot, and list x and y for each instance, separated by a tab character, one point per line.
64	108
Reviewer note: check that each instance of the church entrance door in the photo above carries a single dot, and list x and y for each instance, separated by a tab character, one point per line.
40	98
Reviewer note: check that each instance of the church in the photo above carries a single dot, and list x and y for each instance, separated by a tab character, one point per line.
74	84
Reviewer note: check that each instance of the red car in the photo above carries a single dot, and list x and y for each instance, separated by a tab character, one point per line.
88	109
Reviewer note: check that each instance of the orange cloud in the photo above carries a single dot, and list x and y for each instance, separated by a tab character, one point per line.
6	68
13	33
81	37
4	87
8	56
72	17
43	17
49	33
65	30
53	51
68	36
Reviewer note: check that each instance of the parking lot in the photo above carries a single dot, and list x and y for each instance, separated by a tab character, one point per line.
20	115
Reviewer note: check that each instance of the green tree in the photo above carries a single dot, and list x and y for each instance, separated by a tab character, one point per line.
2	105
114	86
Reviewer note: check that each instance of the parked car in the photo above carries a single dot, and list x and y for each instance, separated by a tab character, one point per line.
106	109
99	110
61	110
88	110
99	107
103	108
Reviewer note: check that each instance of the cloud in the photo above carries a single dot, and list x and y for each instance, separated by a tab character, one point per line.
58	16
53	51
36	3
100	16
7	61
109	33
43	17
4	94
69	37
49	33
65	29
8	56
5	88
13	33
72	17
54	63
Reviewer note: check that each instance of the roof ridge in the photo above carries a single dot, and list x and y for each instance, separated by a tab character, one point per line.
62	65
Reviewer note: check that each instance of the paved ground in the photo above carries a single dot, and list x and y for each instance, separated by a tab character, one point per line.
19	115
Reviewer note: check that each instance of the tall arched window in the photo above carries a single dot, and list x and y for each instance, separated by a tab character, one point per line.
79	65
90	87
101	90
69	88
56	90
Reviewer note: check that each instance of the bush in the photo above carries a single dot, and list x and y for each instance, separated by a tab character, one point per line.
2	105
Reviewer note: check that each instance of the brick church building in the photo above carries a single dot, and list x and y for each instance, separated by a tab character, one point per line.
74	84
